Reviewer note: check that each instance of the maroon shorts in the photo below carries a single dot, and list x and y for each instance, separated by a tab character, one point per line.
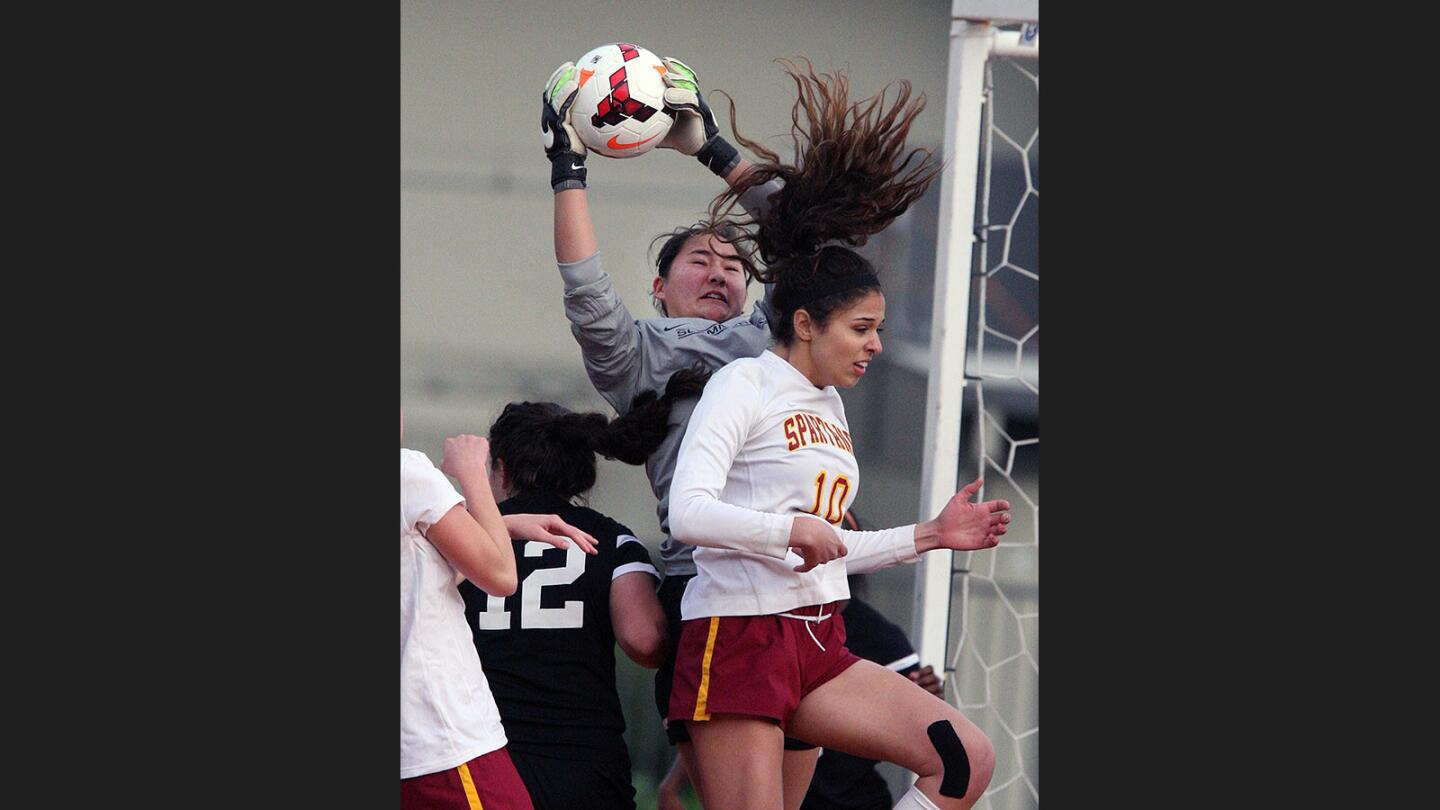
756	665
487	782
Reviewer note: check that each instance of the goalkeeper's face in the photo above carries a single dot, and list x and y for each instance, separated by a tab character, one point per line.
706	280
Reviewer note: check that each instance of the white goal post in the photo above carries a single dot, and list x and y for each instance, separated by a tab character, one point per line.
975	38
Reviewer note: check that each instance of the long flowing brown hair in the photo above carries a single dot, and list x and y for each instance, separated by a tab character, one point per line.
852	176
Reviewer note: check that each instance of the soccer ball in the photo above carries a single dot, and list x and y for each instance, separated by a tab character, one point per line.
618	110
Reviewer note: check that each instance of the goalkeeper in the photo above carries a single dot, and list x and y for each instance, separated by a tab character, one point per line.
700	292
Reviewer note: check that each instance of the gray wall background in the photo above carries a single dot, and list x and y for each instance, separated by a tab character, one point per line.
480	299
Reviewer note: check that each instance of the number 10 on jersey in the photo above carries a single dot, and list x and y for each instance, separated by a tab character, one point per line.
835	503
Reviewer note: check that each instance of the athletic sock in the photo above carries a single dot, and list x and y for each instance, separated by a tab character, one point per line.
915	800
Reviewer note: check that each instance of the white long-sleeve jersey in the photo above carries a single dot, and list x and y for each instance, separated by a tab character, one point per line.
764	445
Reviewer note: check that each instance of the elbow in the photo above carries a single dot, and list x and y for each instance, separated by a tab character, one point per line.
645	647
681	525
502	584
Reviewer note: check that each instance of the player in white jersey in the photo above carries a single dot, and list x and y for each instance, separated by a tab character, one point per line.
766	471
452	744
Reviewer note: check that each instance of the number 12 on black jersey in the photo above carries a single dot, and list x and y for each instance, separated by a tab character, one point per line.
532	616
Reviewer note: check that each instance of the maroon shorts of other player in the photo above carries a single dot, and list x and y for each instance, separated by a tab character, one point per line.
756	665
487	782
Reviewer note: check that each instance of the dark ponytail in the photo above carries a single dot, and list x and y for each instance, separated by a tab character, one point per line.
549	449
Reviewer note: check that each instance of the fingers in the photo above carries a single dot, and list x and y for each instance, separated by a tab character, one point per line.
552	83
818	557
550	529
968	491
996	506
584	540
559	541
679	74
681	99
926	679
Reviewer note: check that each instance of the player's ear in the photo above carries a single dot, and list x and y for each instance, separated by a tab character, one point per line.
499	481
804	325
657	289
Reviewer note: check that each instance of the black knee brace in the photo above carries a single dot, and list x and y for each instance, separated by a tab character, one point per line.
952	757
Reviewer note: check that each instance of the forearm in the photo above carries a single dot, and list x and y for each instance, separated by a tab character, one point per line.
872	551
574	231
637	618
468	547
480	503
703	520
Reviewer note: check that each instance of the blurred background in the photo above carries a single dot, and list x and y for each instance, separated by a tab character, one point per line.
482	321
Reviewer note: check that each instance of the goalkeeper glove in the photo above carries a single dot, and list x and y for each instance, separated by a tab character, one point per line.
694	131
562	145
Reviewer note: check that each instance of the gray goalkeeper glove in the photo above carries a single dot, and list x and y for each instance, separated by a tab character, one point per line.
562	145
694	131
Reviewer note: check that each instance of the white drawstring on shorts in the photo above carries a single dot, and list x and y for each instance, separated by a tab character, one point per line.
809	620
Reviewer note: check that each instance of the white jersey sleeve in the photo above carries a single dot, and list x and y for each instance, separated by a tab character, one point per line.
732	404
426	495
872	551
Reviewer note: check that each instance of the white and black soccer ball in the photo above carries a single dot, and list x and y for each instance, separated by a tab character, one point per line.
618	110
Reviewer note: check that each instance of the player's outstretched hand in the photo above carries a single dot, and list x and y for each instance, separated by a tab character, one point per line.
927	679
695	131
549	529
965	526
815	541
563	147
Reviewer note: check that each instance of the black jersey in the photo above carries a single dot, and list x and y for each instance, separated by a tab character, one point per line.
842	781
548	649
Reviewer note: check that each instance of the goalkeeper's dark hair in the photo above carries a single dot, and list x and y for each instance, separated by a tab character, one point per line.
726	232
549	449
851	178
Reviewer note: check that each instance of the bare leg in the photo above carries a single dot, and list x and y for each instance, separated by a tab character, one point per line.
872	712
738	760
799	767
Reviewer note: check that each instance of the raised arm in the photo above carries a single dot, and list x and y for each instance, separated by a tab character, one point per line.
601	323
473	538
696	132
574	233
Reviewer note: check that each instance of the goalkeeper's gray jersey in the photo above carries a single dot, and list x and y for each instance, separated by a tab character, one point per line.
625	357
